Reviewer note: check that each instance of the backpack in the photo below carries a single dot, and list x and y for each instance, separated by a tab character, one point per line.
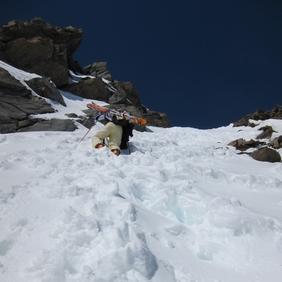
127	129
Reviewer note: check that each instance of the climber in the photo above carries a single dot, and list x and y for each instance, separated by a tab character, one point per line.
118	128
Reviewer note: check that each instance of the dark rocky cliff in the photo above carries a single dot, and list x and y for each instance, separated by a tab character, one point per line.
38	47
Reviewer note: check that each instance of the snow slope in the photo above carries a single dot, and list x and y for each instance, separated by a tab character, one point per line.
181	207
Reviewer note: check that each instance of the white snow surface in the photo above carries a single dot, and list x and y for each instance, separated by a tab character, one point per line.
74	104
18	73
182	206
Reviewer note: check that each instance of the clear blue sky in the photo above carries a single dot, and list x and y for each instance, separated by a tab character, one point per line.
205	63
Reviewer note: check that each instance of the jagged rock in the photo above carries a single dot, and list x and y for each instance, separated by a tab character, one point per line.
126	94
72	115
276	143
36	46
266	155
50	125
86	121
45	88
98	69
90	88
10	86
18	107
243	145
127	98
275	113
267	132
17	103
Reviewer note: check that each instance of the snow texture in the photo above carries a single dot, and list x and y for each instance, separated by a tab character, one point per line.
181	207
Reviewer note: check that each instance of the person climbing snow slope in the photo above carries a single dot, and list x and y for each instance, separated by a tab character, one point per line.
117	130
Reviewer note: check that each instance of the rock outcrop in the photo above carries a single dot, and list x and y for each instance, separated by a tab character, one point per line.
45	88
17	104
50	125
266	132
266	151
90	88
266	155
275	113
98	69
243	145
36	46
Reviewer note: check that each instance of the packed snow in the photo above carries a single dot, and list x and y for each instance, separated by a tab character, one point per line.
19	74
182	206
179	206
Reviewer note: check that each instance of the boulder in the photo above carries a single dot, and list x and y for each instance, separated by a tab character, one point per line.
267	132
276	143
36	46
90	88
266	155
243	145
45	88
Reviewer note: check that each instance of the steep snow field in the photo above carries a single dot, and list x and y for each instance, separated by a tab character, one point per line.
181	207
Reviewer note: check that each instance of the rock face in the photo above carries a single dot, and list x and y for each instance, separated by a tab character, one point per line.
98	69
266	155
38	47
90	88
45	88
122	96
126	94
16	105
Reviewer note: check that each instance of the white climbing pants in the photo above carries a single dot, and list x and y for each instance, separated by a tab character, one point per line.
111	131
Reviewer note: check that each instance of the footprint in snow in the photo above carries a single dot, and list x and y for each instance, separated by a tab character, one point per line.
5	246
